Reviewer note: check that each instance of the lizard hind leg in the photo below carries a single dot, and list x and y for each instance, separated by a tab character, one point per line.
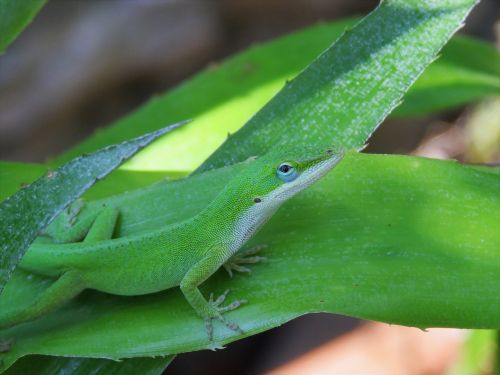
88	225
103	226
235	263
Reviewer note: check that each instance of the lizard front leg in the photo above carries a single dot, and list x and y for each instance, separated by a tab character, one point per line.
211	309
91	225
235	263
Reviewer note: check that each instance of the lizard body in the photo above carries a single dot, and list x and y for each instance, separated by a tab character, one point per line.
183	254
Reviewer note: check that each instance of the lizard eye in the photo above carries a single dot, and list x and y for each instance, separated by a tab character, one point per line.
287	172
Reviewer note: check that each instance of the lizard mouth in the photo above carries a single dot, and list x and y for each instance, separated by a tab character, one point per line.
323	165
318	170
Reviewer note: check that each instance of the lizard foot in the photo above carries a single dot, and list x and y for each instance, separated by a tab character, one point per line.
245	257
73	210
64	222
216	313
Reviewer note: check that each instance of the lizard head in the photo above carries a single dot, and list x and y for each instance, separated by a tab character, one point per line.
266	182
282	173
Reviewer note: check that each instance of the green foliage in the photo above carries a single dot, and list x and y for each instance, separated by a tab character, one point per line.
15	15
378	238
32	208
467	69
83	366
477	354
16	175
350	88
219	100
222	98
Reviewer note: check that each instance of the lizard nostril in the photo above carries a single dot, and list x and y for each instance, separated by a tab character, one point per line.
257	200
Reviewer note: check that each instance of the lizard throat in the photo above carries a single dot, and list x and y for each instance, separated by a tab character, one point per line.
251	221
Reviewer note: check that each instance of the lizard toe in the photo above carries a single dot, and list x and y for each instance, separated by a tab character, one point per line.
235	263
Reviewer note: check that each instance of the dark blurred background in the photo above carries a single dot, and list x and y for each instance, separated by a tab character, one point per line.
84	63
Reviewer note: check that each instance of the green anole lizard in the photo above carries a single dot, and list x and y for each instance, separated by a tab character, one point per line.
183	254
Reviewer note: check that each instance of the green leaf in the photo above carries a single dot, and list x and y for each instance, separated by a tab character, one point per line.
220	100
467	70
83	366
15	15
477	353
352	87
32	208
281	316
378	238
224	97
17	175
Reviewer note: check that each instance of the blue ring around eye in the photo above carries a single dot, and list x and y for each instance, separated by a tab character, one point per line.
288	176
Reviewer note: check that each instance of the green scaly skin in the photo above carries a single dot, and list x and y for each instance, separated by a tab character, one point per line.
181	255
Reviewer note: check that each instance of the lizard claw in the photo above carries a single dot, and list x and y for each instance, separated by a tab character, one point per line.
73	210
244	257
218	310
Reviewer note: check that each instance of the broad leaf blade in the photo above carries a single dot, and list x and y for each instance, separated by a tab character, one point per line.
466	70
32	208
83	366
479	351
221	99
347	91
378	238
16	175
14	17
